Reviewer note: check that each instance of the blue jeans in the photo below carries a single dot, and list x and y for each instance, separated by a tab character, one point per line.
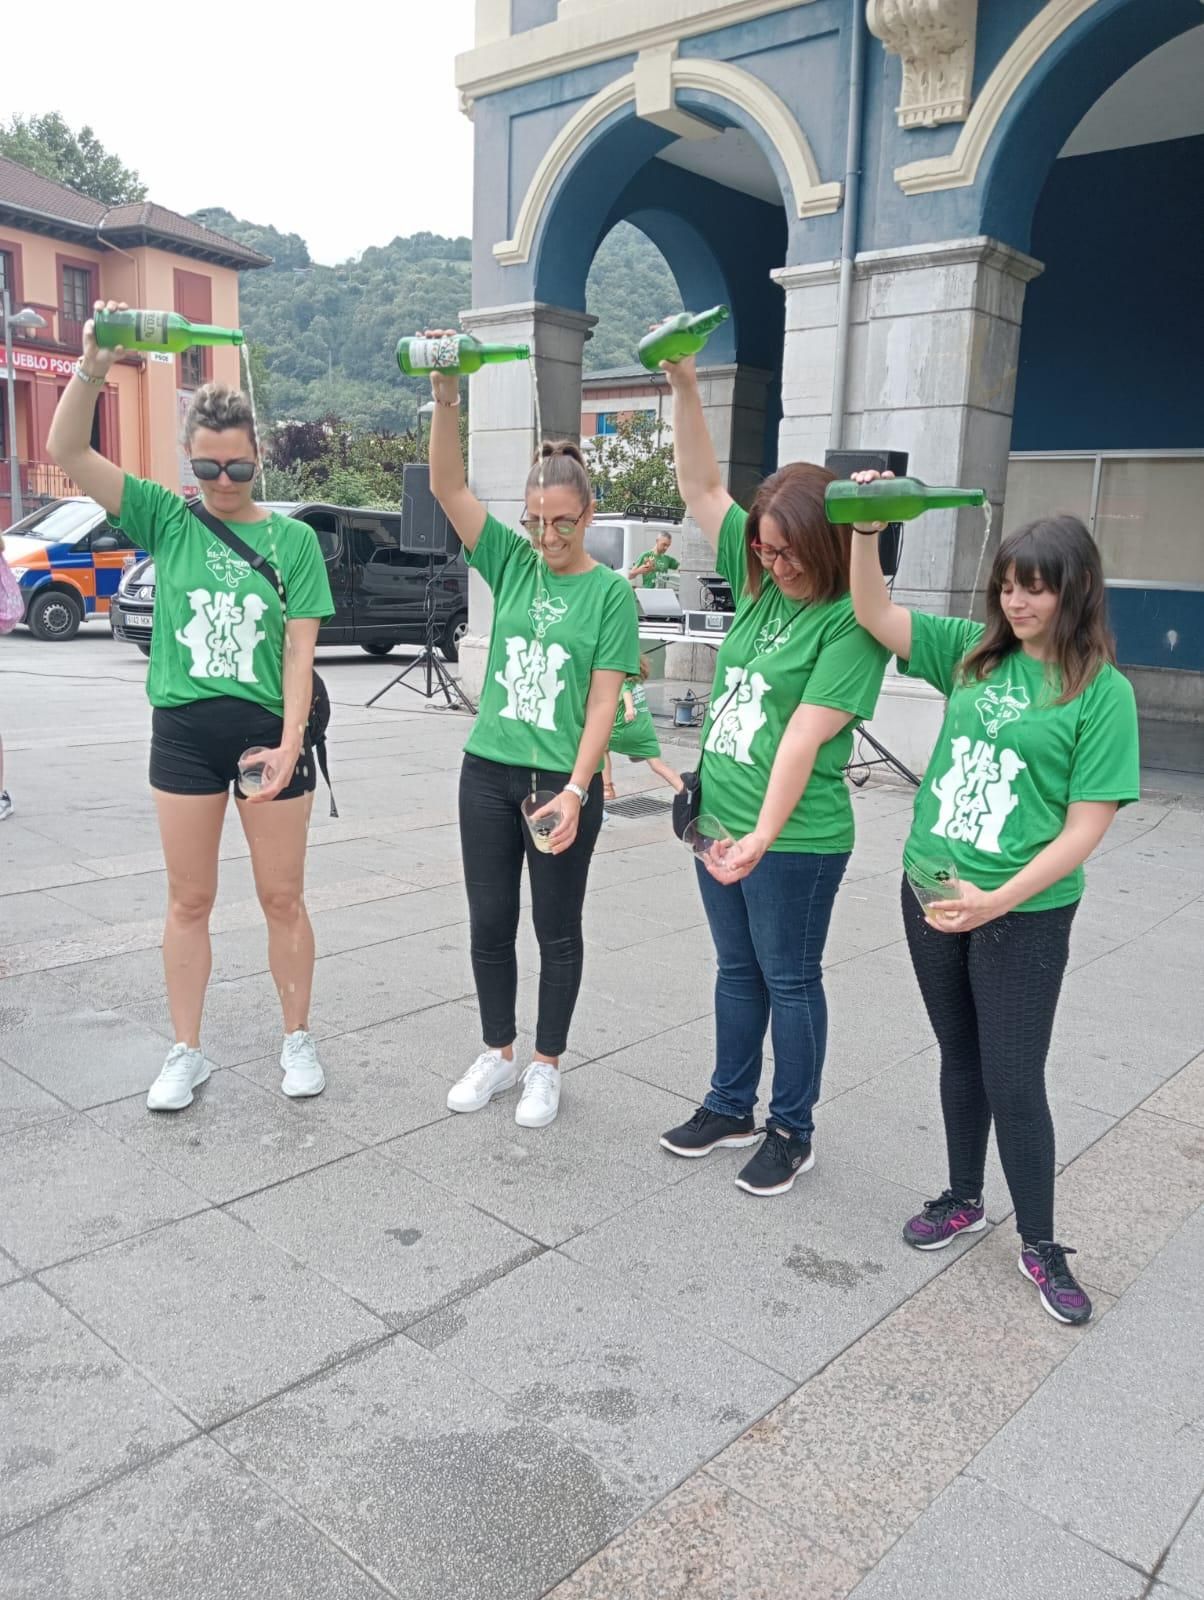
769	931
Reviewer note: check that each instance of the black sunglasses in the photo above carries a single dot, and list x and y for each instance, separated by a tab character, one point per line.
236	471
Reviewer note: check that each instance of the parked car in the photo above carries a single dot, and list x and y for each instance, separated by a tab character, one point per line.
379	590
68	561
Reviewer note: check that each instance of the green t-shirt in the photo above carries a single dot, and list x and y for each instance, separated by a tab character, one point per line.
219	628
780	654
550	634
661	564
1009	761
636	738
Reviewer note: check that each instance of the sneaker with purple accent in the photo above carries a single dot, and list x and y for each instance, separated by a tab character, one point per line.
1044	1264
942	1220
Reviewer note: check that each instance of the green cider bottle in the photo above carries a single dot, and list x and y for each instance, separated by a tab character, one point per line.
891	499
680	336
158	330
454	352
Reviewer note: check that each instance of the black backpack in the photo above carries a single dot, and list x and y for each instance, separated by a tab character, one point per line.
319	705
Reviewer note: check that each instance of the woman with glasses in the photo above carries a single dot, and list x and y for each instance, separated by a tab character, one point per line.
230	670
564	636
794	674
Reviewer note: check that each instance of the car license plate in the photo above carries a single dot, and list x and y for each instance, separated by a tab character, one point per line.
139	622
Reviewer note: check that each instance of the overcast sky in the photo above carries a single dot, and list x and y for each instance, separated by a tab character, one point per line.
346	129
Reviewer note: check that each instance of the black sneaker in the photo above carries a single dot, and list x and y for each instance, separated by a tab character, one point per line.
707	1131
777	1163
1045	1265
942	1220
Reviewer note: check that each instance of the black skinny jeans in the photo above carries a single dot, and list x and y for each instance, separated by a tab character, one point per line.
991	996
494	839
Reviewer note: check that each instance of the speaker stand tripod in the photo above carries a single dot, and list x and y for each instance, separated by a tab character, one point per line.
857	770
438	680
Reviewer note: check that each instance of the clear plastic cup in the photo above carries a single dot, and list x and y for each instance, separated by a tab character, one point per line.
542	829
252	769
933	878
707	838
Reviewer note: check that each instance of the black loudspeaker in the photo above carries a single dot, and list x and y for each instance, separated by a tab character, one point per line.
425	529
846	462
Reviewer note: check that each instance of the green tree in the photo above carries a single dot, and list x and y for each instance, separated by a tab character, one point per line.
47	145
633	466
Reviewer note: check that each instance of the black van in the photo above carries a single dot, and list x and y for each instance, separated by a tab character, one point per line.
379	589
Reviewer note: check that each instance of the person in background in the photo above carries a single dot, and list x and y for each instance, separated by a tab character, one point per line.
229	670
793	676
6	800
1037	752
634	734
564	637
655	564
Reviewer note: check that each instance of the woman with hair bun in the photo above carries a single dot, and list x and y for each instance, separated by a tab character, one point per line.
564	636
230	669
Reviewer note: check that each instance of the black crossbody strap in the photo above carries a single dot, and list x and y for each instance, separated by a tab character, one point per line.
240	547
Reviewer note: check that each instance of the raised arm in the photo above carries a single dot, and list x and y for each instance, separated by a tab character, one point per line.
877	613
698	476
70	441
448	485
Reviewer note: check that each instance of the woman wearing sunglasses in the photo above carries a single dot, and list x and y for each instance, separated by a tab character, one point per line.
229	671
564	637
794	674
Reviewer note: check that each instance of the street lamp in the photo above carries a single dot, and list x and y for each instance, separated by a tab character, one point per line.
20	319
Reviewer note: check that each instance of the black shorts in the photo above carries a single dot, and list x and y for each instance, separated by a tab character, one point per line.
195	748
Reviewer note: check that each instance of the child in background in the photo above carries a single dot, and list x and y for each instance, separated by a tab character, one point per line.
634	734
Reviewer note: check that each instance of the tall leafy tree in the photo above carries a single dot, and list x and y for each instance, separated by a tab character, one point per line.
48	146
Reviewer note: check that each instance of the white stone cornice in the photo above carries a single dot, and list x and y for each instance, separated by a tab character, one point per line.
935	40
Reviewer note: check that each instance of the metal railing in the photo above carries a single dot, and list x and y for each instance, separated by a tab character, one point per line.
41	482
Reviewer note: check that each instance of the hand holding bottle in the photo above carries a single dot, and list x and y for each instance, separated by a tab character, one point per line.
682	375
868	476
445	386
95	361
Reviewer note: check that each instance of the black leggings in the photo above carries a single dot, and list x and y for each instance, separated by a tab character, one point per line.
991	997
494	839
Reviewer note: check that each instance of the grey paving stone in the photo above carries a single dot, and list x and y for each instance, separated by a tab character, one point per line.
633	1386
416	911
71	1412
680	1060
23	1103
875	1017
67	1187
427	1479
39	916
599	1156
790	1282
412	1248
127	899
89	1058
703	1542
118	981
193	1525
235	1137
1184	1564
975	1542
601	1023
241	1021
1110	1055
360	987
1146	1464
1181	1097
10	1271
34	999
213	1313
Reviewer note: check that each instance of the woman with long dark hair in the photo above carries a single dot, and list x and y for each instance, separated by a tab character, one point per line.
1037	752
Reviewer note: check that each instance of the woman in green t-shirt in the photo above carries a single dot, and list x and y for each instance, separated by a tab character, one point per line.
793	676
229	670
634	735
564	636
1037	752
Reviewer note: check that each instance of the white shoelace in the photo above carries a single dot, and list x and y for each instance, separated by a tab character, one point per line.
540	1081
481	1068
298	1049
178	1065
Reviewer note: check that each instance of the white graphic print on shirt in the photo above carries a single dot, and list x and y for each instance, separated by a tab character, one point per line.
225	566
221	636
741	718
532	681
975	793
1006	703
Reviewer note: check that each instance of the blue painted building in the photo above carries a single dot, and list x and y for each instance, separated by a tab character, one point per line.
1005	279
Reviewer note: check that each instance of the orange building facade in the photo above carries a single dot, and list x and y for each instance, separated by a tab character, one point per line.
59	252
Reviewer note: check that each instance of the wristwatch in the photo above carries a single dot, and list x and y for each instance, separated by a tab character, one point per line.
582	794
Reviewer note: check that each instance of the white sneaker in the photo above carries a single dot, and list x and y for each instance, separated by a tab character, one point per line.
489	1074
6	805
302	1070
541	1096
183	1071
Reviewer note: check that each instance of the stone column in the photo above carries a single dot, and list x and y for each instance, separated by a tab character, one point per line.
502	424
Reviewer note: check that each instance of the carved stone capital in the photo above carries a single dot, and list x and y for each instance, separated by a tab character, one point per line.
935	39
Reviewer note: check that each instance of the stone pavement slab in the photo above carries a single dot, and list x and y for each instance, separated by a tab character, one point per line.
195	1524
635	1387
35	997
1182	1097
413	1247
72	1413
975	1542
215	1315
68	1187
429	1481
110	1056
241	1023
1184	1564
23	1103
